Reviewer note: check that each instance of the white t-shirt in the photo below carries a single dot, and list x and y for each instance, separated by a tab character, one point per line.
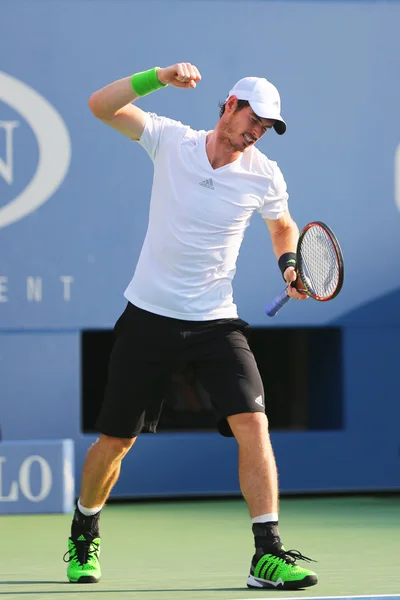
198	216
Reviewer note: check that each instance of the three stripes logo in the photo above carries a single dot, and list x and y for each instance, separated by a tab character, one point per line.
259	400
207	183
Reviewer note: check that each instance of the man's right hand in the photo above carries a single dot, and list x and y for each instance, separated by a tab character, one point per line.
181	75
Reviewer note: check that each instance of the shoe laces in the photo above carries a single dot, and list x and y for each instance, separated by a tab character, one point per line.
291	556
83	551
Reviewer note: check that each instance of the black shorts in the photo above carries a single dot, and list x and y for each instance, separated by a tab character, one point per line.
149	350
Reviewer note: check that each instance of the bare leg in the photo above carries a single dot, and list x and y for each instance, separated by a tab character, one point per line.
101	469
258	475
259	484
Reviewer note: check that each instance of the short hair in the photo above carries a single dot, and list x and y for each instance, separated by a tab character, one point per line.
240	105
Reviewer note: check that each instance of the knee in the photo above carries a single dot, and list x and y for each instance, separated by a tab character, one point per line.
115	447
249	426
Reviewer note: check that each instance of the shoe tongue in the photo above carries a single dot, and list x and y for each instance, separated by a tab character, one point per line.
268	546
275	547
81	538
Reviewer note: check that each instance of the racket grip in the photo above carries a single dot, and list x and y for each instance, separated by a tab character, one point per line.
277	303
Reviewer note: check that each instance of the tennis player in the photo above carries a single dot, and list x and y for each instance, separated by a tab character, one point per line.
206	187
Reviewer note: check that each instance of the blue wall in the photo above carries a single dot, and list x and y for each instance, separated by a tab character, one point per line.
74	201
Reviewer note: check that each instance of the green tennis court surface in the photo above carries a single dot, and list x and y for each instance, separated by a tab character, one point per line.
202	550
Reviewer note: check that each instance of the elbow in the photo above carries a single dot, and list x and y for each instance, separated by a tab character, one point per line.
96	106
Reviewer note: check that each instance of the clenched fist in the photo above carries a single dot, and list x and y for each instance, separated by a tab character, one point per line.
295	285
181	75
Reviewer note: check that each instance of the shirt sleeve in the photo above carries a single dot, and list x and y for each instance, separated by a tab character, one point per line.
159	131
276	198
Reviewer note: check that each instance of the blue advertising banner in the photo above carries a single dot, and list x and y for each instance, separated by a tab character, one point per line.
37	476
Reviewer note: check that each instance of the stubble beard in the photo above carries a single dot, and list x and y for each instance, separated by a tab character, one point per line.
228	135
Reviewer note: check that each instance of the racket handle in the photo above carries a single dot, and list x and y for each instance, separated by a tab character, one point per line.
277	303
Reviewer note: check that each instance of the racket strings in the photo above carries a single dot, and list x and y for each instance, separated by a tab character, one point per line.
319	269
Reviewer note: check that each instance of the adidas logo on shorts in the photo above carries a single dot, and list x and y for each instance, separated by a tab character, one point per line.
259	401
208	183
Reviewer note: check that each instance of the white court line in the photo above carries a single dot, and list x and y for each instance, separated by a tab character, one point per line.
280	597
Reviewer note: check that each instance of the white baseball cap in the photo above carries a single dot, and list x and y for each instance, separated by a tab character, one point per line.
263	98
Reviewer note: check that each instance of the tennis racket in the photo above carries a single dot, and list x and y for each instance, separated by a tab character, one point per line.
320	266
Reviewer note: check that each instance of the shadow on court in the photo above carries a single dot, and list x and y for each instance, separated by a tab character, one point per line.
74	587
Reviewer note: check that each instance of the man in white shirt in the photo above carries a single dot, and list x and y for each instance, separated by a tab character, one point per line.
180	309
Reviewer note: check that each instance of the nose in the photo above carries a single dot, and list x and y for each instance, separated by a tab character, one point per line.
261	130
258	131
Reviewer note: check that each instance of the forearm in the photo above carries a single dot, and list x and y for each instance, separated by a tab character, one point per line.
113	102
114	106
285	238
108	101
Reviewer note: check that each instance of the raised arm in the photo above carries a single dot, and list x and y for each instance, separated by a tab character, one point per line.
113	103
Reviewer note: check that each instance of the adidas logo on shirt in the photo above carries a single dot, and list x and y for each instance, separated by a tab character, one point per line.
208	183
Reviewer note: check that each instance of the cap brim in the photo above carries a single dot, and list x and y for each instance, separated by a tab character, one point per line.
280	127
265	112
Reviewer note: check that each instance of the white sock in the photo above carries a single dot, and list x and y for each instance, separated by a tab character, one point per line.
88	512
266	518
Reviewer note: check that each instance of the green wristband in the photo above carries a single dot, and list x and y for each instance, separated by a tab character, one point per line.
146	82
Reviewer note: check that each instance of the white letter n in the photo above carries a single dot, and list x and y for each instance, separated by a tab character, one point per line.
34	289
6	168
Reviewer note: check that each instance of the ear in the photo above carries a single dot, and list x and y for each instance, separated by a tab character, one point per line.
231	104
